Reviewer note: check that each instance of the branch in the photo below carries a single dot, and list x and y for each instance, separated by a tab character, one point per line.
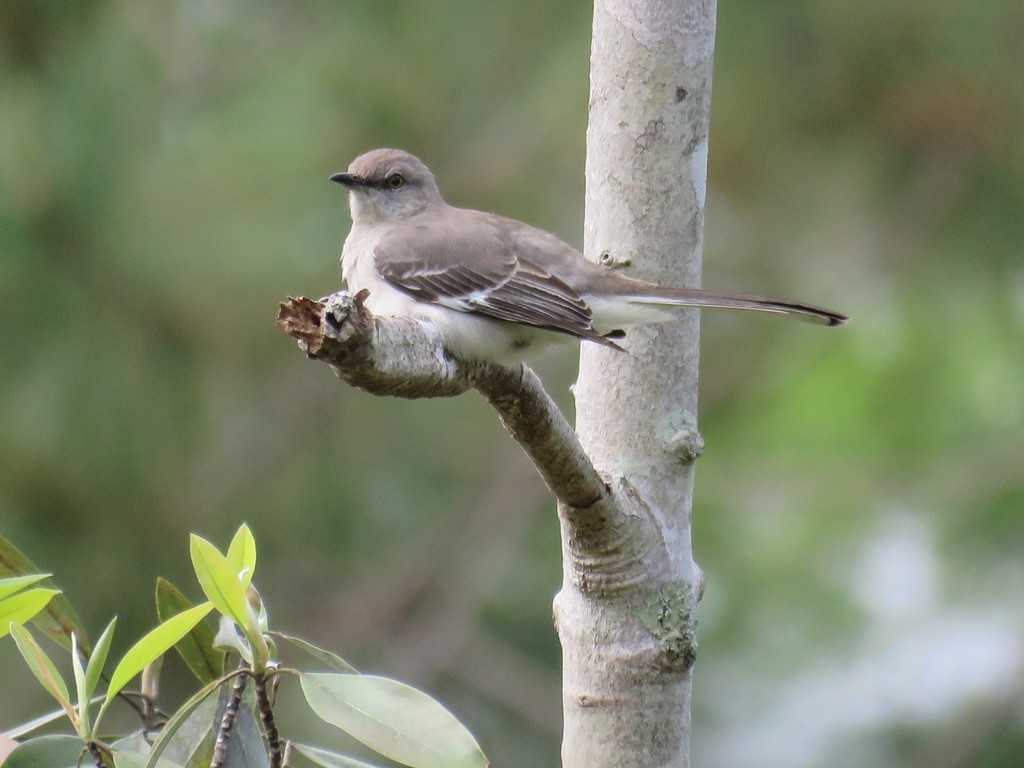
402	357
227	721
275	751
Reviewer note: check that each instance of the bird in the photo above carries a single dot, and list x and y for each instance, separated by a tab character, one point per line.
491	286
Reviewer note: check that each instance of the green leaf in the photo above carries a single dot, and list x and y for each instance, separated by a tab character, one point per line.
156	642
44	670
179	718
60	619
196	648
19	608
331	660
242	554
47	752
81	691
224	588
98	658
220	582
396	720
329	759
13	584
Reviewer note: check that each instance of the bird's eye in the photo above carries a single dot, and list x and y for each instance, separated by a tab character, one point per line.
394	181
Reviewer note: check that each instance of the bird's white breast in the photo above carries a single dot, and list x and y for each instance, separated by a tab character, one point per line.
360	271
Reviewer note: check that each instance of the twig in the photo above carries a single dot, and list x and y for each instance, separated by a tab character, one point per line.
227	721
274	750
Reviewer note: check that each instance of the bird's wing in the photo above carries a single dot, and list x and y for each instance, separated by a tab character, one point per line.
468	262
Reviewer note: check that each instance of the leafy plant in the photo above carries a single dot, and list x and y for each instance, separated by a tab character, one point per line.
224	724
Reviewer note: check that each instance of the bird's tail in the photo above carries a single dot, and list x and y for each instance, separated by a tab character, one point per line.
654	295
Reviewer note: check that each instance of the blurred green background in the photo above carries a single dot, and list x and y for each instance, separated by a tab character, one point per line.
163	184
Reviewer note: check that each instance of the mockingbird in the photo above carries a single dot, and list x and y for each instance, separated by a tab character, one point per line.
494	286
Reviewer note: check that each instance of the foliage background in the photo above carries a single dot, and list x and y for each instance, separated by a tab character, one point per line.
163	184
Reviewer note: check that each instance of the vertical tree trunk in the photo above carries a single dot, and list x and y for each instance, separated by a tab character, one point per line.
624	613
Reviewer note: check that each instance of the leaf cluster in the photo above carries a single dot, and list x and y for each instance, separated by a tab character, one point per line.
223	724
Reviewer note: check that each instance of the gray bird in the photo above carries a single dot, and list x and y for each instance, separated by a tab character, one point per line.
494	287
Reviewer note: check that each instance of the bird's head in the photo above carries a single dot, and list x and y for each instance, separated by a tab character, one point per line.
388	185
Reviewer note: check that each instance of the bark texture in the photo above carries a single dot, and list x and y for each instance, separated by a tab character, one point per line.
625	610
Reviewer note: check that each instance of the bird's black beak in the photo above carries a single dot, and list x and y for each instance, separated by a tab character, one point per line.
349	180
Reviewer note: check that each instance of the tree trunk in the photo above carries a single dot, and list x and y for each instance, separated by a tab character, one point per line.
624	613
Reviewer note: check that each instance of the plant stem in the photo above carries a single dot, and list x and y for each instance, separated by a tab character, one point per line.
266	711
97	754
227	721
